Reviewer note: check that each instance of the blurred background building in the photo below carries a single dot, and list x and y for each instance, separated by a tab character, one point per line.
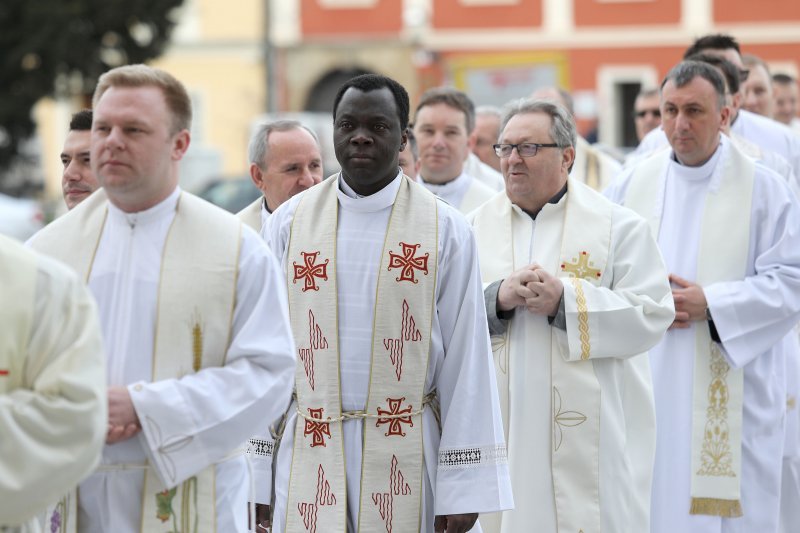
250	60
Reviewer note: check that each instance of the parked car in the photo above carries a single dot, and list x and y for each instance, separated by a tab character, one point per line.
231	194
20	217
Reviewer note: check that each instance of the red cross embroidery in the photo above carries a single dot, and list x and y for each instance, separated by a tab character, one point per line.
308	511
317	430
385	500
395	424
309	270
407	263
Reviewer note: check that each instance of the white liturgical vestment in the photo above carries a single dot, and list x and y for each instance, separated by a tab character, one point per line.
465	193
592	166
255	214
52	386
584	391
213	410
751	316
465	463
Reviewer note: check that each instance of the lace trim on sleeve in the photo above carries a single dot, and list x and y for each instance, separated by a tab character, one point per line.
260	447
452	458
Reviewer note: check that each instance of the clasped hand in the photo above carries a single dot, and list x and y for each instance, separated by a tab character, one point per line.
123	422
532	287
690	302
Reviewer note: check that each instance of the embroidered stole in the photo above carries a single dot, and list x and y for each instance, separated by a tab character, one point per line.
196	299
392	457
251	215
576	251
718	389
19	286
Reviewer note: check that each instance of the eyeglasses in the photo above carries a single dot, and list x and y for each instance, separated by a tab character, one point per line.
655	112
523	149
743	74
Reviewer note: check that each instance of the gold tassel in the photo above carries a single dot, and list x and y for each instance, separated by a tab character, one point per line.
716	507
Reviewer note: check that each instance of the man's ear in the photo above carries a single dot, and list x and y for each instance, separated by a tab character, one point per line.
180	144
568	157
403	140
257	175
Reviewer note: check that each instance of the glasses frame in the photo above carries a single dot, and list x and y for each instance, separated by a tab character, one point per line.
537	146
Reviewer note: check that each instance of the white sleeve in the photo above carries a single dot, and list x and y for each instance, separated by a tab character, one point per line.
753	314
218	409
52	428
632	314
467	388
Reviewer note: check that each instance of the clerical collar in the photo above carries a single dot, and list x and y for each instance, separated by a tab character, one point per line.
701	172
461	181
554	200
351	200
148	215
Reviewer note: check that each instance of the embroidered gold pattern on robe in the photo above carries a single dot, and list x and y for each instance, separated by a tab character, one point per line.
563	419
581	267
716	457
583	319
197	342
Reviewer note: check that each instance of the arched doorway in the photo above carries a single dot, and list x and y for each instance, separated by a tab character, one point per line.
322	94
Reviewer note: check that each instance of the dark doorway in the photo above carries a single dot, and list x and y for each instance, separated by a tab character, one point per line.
322	94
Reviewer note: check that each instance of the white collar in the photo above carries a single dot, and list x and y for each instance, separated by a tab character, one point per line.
147	216
352	201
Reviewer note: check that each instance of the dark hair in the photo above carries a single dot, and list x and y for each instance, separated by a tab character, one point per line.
451	98
684	72
716	41
372	82
730	70
783	79
81	121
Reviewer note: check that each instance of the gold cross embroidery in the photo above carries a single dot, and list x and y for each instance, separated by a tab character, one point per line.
581	267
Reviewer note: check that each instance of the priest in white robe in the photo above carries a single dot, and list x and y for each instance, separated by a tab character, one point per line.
576	293
458	447
285	159
443	121
52	386
729	231
199	351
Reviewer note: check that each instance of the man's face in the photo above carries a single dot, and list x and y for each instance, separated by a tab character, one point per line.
134	151
692	119
367	138
758	92
487	129
293	164
407	162
646	114
443	142
78	181
532	181
785	97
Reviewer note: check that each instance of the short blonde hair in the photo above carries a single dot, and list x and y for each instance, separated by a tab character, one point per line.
175	94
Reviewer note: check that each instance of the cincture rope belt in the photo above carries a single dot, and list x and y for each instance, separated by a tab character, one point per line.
430	398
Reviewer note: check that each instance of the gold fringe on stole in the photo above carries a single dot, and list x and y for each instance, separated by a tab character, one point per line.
716	507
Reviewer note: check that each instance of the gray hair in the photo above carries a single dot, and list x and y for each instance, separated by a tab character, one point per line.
562	127
684	72
258	149
489	110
